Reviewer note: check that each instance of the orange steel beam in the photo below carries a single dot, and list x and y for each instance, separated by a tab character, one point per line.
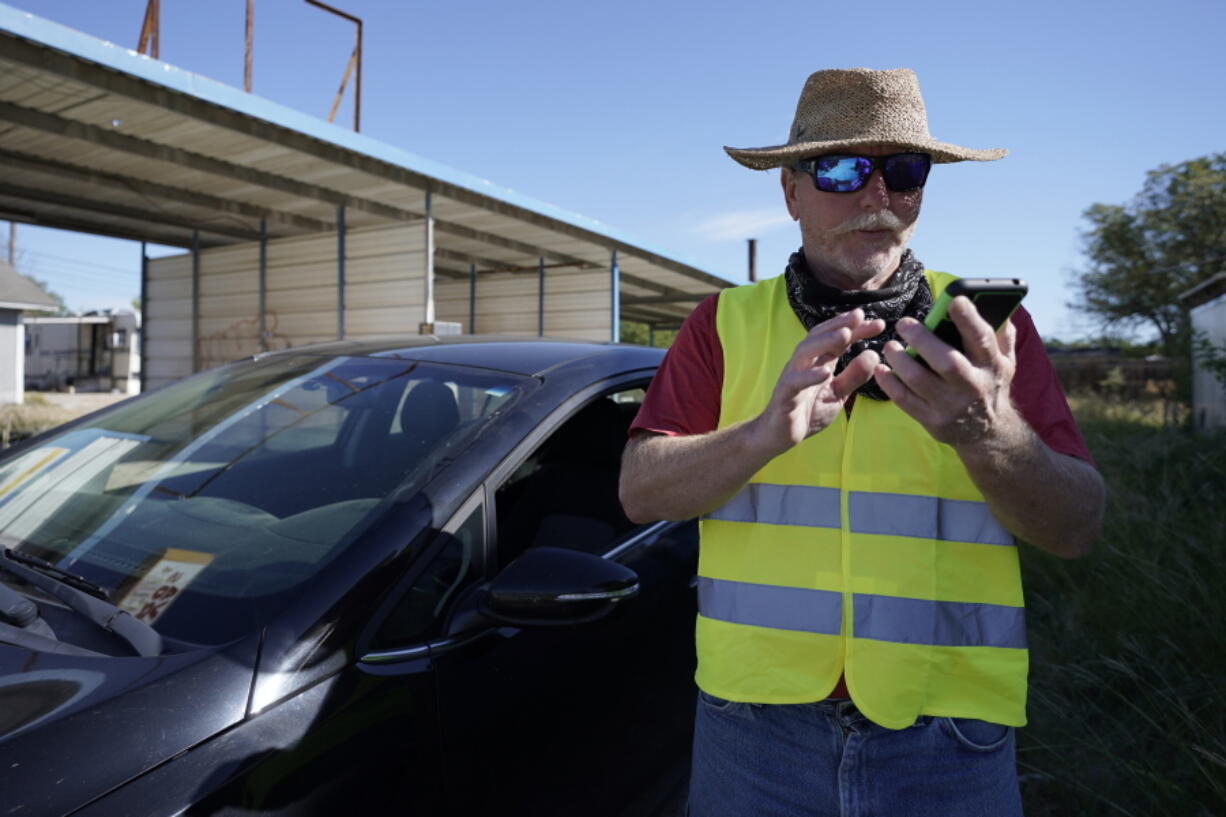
355	61
149	30
340	92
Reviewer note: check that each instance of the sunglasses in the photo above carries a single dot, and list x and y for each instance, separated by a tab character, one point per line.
847	173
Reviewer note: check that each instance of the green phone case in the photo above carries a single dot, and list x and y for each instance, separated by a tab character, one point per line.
996	300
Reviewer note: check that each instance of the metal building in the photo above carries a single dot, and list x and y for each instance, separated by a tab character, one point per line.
294	230
1206	305
94	352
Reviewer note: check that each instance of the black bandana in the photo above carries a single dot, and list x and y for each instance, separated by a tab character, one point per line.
813	302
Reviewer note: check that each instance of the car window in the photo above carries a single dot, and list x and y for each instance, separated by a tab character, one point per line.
319	426
565	493
235	486
419	615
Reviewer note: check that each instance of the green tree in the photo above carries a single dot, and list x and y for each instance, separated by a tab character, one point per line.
639	333
1126	346
61	309
1142	255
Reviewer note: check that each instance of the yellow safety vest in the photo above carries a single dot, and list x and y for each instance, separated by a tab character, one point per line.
865	549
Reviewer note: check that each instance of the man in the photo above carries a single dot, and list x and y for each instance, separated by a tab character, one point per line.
861	640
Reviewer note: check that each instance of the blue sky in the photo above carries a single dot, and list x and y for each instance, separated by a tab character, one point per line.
618	111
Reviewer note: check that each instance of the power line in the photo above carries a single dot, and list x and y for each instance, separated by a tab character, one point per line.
86	264
60	265
60	278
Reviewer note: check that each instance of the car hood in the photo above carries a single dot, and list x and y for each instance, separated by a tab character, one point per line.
73	728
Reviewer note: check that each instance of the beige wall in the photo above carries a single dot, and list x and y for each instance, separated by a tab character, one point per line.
576	303
167	332
384	294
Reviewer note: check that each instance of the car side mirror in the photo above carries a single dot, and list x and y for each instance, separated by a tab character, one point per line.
555	586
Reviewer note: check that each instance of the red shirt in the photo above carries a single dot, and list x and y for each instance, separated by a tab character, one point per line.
684	397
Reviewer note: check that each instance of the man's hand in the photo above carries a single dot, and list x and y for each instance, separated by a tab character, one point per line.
808	396
1051	500
680	477
963	400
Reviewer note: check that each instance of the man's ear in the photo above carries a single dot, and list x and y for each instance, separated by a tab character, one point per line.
787	178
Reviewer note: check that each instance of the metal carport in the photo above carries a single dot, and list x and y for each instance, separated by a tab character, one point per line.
297	230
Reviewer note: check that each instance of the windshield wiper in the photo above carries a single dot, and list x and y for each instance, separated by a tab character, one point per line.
88	599
70	579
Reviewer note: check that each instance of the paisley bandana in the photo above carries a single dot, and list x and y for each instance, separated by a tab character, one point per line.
813	302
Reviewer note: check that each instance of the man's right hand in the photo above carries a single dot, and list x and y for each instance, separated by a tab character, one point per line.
808	396
681	477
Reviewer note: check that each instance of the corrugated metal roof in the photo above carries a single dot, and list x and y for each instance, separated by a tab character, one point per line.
98	138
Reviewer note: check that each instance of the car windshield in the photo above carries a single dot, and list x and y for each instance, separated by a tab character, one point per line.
200	507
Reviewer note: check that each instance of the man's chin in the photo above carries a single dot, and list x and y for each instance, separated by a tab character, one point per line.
871	267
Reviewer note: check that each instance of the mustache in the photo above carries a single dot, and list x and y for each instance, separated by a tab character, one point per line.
880	220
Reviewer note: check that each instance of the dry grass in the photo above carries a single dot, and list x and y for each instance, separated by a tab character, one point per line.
18	422
1101	414
1128	659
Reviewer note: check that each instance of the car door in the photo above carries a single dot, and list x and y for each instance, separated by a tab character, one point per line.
593	718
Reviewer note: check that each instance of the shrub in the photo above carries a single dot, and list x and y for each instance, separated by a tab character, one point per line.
19	421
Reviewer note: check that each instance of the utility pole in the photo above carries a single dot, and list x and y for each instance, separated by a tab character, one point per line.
248	49
12	244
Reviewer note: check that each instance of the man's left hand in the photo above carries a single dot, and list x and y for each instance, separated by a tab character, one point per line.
963	400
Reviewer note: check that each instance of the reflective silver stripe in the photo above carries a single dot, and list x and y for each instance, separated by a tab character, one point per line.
782	505
765	605
927	517
939	623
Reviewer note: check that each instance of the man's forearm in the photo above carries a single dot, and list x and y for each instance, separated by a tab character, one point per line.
678	478
1049	499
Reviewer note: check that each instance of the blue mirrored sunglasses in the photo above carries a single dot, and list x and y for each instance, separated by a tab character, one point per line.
847	173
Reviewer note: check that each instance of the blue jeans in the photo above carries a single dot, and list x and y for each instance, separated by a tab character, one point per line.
825	758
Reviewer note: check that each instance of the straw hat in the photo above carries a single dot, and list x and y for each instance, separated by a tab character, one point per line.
842	109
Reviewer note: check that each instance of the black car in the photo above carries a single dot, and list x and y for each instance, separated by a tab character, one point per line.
380	577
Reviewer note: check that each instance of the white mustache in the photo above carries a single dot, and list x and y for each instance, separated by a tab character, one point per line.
880	220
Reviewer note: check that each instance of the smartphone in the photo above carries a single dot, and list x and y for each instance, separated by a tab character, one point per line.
995	298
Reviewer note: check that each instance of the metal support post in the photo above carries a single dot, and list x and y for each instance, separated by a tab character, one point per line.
540	297
615	297
472	299
340	272
196	363
263	285
429	266
144	314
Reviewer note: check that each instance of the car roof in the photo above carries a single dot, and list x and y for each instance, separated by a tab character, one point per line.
532	356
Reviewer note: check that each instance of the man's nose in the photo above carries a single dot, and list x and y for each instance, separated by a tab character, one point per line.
875	195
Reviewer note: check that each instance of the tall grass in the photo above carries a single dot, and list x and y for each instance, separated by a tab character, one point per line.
1128	646
18	421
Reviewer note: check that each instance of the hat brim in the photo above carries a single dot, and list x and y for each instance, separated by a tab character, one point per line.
787	155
